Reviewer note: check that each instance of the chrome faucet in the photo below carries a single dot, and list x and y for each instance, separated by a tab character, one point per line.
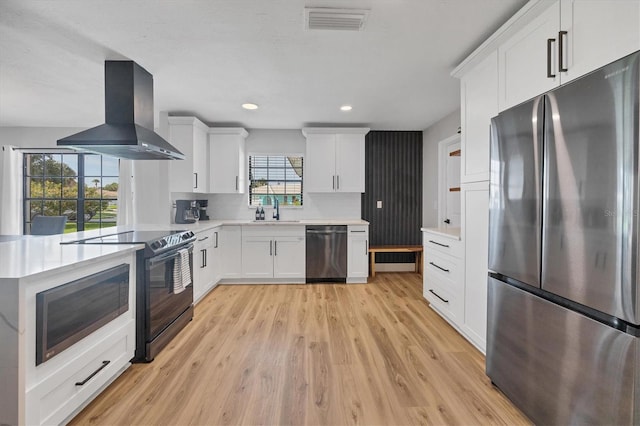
276	208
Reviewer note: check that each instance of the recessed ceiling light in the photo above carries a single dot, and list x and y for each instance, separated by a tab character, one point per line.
249	106
345	108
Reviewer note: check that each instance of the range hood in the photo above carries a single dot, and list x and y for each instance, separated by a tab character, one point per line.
128	131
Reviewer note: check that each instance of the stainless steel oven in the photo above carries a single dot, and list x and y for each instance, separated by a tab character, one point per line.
69	312
165	310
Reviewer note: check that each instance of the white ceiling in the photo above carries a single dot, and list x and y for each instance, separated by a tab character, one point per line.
210	56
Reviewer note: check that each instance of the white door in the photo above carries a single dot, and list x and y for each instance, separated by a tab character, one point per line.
216	257
594	33
257	256
224	154
522	60
449	182
230	243
320	163
349	163
358	254
200	161
289	257
475	236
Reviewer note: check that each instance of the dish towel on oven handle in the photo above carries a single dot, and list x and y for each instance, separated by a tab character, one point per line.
181	271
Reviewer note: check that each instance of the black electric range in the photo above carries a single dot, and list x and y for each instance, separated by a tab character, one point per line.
162	307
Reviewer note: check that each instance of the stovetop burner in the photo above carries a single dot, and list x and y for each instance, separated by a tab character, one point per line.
154	241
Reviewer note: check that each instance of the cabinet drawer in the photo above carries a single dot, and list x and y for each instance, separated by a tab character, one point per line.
206	237
442	266
442	244
54	399
273	230
445	301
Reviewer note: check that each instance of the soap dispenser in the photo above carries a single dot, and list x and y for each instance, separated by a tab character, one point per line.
257	213
261	213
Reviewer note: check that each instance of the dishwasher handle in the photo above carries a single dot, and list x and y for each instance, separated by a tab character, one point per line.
325	232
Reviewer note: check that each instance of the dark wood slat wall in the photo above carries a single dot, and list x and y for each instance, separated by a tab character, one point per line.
394	176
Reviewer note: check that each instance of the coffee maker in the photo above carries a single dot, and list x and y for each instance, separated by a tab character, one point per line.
203	204
187	211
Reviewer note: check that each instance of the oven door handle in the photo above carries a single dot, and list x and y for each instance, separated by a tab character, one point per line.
164	257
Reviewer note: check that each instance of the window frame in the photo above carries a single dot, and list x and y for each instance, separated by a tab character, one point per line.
80	176
275	154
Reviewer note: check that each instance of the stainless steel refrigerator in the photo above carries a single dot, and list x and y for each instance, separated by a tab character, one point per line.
563	329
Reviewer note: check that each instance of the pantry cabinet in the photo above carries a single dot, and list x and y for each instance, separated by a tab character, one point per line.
227	160
479	103
334	160
189	136
567	40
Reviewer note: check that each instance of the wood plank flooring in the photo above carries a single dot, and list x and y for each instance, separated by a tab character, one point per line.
325	354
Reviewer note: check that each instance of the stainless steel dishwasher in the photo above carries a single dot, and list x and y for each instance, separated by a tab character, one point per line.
326	253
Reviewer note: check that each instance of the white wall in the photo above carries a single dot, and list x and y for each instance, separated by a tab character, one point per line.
315	206
442	129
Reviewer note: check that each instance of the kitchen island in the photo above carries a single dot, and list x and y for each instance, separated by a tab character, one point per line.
54	390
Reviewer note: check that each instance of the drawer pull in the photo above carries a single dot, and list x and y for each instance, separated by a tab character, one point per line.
202	239
104	364
438	296
439	267
438	244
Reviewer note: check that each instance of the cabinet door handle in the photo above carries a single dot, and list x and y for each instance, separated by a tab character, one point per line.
271	248
439	267
438	296
216	244
202	261
338	182
104	364
438	244
196	175
275	248
447	221
236	183
205	258
334	182
561	36
366	247
550	42
359	231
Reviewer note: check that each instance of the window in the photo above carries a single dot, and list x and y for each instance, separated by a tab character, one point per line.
275	176
83	187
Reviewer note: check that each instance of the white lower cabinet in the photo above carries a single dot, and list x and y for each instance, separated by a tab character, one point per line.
442	285
230	249
358	254
475	236
273	252
205	262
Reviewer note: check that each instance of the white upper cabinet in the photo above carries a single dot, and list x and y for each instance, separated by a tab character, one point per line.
598	32
479	103
227	160
569	39
527	61
334	161
189	135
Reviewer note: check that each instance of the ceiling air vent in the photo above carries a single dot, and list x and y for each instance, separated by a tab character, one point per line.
320	18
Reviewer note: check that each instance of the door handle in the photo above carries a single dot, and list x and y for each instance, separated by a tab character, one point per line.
91	376
561	36
438	296
271	248
438	244
338	181
275	248
236	183
439	267
366	247
550	42
216	244
196	175
334	182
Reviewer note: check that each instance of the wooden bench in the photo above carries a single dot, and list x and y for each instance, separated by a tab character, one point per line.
396	249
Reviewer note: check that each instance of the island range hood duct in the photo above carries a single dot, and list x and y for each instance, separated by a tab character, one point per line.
128	131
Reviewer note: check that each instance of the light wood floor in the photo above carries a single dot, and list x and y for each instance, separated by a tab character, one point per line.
330	354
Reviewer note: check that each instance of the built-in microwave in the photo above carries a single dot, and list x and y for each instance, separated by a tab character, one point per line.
71	311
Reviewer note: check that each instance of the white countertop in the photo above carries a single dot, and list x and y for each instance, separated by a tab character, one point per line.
34	255
453	233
